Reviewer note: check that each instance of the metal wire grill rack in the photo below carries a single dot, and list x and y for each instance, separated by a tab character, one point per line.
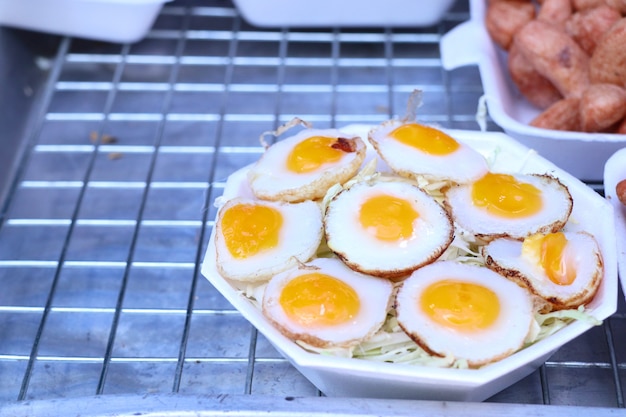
104	229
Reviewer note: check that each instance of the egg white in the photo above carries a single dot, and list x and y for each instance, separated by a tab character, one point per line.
505	256
361	251
299	238
270	179
503	338
461	166
557	207
374	295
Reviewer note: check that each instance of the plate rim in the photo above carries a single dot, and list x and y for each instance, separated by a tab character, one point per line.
413	374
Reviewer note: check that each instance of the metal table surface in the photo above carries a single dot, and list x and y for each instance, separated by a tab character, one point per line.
106	220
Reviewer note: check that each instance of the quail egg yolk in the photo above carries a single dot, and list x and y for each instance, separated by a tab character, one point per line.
549	252
251	228
504	196
459	305
425	138
388	217
319	300
311	153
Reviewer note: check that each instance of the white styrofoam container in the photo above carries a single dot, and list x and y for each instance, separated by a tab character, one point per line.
347	377
581	154
326	13
104	20
614	172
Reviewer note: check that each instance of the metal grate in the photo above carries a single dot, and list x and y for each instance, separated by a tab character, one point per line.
103	233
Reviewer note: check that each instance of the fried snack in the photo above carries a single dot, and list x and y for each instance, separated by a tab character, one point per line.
562	115
587	4
620	5
505	18
555	12
536	88
508	1
566	57
556	56
620	191
601	106
608	62
588	26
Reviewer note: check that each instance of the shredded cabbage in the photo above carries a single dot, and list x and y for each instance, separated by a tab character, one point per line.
391	344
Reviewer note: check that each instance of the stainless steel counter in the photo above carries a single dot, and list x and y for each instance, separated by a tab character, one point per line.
108	208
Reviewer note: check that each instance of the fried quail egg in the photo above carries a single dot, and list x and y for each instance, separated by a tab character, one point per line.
507	205
304	166
326	304
387	228
464	311
413	150
255	240
563	268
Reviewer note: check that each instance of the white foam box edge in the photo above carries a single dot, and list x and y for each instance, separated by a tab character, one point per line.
328	13
103	20
614	172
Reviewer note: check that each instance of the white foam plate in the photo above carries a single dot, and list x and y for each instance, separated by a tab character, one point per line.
614	172
361	378
104	20
327	13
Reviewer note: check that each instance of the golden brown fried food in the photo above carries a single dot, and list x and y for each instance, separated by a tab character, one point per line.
555	12
556	56
505	18
620	190
618	4
562	115
620	127
608	62
586	4
568	58
535	87
601	106
588	26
